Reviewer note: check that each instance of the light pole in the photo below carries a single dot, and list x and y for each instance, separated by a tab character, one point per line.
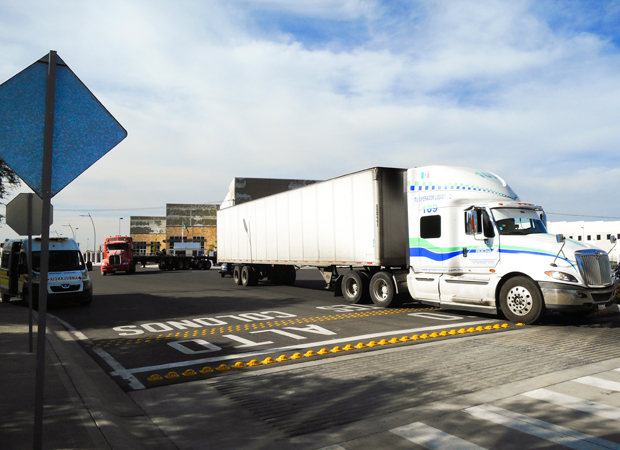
119	225
75	235
94	231
72	232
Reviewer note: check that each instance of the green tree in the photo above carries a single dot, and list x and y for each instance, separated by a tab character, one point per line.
8	181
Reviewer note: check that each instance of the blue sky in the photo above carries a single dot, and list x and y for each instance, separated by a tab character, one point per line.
210	90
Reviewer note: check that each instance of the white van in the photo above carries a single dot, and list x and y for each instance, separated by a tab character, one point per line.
68	278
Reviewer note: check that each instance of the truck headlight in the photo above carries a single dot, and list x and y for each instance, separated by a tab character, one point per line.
562	276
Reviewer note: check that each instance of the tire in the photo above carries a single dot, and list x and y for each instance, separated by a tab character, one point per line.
162	265
222	275
6	298
199	265
290	275
206	264
354	286
104	274
521	300
237	275
382	290
186	264
249	276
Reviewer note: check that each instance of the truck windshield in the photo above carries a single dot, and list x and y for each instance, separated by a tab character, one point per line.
515	221
60	261
118	246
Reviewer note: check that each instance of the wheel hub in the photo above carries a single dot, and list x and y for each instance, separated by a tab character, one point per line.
519	301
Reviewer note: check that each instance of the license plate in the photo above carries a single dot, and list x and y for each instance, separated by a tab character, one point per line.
602	307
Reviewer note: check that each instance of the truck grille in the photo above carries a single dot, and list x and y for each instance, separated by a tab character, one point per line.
594	266
115	260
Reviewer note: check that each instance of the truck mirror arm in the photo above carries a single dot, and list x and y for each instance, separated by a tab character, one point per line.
560	239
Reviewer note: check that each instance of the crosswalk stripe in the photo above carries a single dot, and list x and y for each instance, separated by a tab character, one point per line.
599	382
432	438
567	401
541	429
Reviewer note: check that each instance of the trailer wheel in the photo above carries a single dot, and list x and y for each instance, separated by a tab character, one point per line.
290	275
247	275
6	298
237	275
521	300
207	264
162	265
382	289
354	286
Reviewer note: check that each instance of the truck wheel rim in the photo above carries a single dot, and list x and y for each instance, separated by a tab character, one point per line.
381	289
519	301
351	288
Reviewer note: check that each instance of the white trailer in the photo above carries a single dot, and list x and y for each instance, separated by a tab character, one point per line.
450	237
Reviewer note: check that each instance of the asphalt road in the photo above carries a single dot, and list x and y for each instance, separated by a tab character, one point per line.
154	327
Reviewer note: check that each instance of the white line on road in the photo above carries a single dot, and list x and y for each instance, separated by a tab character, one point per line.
599	383
567	401
543	430
432	438
282	349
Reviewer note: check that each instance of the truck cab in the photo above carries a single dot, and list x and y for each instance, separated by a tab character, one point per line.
118	255
68	278
475	246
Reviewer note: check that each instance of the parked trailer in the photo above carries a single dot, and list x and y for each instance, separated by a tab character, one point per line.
450	237
120	256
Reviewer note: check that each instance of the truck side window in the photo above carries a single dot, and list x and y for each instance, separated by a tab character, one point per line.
430	227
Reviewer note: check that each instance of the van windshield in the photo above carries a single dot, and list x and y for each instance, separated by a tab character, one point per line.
60	261
515	221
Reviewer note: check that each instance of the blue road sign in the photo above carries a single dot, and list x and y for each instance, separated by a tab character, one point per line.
84	130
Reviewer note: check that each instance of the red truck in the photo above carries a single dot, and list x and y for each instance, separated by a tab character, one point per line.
120	256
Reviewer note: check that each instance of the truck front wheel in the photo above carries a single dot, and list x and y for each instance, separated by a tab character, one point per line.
355	286
521	300
382	289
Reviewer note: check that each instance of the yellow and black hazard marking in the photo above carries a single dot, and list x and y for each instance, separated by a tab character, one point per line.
253	326
155	377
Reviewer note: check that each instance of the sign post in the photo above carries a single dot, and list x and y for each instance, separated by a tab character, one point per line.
53	129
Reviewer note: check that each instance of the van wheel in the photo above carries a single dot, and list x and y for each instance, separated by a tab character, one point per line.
382	289
354	286
6	298
521	300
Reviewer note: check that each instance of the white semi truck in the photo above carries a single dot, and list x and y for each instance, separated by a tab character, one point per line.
450	237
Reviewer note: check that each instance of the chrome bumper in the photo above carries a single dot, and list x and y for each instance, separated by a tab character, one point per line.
563	297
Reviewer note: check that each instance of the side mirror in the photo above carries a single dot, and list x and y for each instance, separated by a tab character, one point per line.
471	221
559	238
613	239
89	266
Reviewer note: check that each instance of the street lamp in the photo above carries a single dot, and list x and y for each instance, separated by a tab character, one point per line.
119	225
75	235
72	232
94	231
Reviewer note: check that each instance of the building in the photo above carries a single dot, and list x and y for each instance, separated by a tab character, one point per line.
243	190
595	233
182	223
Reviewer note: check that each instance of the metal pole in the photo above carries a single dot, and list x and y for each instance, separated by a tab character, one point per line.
46	189
94	232
29	262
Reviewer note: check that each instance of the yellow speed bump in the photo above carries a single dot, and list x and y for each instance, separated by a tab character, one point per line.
424	336
488	327
155	377
239	365
497	326
323	351
505	325
434	334
383	342
462	331
336	349
348	347
480	328
471	330
283	358
361	345
453	332
172	375
443	333
269	360
309	353
253	363
372	344
520	324
206	370
415	337
222	368
297	356
189	373
405	339
394	340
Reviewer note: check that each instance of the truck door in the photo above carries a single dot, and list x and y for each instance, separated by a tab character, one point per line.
472	284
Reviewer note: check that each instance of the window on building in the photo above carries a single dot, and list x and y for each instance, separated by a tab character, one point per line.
570	237
589	237
608	236
598	237
578	238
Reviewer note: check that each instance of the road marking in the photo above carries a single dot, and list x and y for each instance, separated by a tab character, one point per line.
567	401
113	363
282	349
543	430
432	438
599	383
